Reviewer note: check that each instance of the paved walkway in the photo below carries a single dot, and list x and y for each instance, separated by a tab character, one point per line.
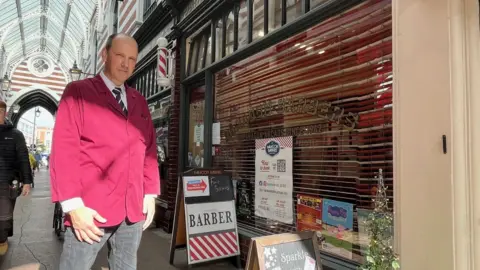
35	246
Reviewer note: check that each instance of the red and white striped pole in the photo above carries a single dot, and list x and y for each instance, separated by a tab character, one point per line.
163	64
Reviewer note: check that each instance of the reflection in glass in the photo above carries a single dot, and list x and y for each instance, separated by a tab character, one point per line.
243	24
208	61
258	19
294	10
229	38
201	53
219	40
274	14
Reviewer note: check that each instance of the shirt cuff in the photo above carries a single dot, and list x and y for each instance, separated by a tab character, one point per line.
72	204
151	195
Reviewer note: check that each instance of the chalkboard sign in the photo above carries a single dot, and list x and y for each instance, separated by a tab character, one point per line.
291	251
217	186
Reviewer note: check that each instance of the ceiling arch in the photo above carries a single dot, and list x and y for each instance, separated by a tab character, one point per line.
57	26
31	42
31	100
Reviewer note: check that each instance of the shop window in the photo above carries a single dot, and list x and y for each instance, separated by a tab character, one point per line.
243	24
193	57
329	90
219	40
208	61
201	53
316	3
274	14
229	38
258	19
195	128
294	9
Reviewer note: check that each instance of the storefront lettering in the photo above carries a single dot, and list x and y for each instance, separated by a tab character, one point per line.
319	109
271	133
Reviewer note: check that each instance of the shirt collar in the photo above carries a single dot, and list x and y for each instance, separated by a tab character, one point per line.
110	85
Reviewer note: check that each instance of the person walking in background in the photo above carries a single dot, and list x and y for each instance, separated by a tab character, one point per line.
38	159
14	164
33	163
103	163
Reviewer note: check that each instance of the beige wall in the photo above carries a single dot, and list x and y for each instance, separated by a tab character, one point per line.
435	58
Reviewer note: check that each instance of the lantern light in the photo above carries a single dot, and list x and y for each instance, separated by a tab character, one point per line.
75	72
164	63
5	83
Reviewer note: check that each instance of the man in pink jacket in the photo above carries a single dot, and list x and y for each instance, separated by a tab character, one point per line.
103	165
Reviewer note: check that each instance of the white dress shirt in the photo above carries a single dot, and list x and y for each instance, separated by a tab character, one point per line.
75	203
110	85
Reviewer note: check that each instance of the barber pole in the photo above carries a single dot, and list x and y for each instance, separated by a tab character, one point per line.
164	63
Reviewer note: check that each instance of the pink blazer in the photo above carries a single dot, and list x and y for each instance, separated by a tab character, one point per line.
98	154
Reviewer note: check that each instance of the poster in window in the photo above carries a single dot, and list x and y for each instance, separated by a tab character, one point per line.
274	179
337	218
309	213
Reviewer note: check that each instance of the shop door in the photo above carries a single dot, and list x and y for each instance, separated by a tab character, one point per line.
195	154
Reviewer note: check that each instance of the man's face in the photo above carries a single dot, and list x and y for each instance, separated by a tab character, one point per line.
121	59
3	114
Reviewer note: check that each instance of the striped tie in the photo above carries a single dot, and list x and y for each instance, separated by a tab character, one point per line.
118	96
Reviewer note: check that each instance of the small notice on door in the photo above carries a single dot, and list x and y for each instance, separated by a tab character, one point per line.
216	134
198	134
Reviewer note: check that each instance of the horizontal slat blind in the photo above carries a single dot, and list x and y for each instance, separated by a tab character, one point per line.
330	88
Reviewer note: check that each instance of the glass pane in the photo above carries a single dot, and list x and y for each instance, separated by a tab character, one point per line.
274	14
258	19
195	128
209	51
219	40
243	24
294	9
193	61
229	37
316	3
201	53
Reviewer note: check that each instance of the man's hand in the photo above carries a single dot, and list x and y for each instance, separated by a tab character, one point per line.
84	226
26	189
149	210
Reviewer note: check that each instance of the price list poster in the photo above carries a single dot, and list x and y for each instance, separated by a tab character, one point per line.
274	179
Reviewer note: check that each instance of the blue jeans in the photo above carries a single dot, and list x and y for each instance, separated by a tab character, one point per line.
123	242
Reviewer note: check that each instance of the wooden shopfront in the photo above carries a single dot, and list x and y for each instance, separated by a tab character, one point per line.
318	71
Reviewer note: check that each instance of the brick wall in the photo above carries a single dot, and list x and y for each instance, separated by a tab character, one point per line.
173	146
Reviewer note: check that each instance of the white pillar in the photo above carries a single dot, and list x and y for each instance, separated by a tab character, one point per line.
423	190
436	92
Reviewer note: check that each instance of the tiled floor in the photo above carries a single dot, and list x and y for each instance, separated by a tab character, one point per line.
35	246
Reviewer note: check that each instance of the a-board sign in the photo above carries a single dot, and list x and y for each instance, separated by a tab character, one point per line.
206	197
289	251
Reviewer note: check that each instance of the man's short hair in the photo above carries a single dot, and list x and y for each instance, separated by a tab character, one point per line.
111	38
3	105
110	41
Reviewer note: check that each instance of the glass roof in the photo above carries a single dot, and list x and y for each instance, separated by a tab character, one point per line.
54	27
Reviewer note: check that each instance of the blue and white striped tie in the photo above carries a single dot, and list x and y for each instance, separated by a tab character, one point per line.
118	96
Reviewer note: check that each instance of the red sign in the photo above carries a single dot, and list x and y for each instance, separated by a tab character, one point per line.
196	185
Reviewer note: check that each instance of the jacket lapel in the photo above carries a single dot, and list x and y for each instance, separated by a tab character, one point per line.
107	95
131	99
